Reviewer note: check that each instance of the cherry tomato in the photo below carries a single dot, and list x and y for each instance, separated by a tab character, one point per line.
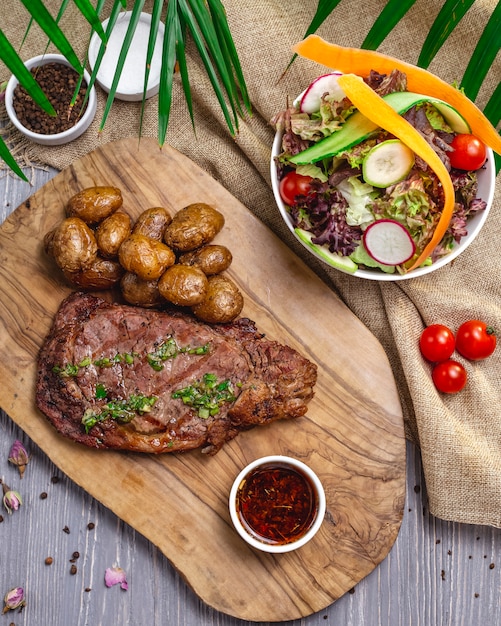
449	376
292	185
469	152
475	340
437	343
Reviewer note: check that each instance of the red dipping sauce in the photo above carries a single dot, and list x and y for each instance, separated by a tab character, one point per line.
276	503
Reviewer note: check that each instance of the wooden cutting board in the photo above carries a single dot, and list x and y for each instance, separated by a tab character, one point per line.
352	435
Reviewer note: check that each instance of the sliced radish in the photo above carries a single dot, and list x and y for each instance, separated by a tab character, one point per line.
387	163
388	242
310	101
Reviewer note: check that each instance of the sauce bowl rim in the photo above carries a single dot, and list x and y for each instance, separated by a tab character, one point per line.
319	517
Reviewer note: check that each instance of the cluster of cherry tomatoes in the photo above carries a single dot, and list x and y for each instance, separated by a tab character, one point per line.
474	340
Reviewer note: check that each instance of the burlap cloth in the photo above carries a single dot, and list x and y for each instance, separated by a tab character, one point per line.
459	436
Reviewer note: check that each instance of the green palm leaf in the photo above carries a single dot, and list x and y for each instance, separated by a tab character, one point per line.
167	73
131	29
115	11
194	27
389	17
10	161
229	51
492	111
12	60
484	54
91	15
183	68
156	14
451	13
47	23
218	71
324	9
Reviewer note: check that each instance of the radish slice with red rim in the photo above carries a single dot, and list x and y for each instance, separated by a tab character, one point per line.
388	242
310	101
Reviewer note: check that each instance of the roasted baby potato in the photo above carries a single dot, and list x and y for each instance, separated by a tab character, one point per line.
146	257
223	302
183	285
101	274
73	245
211	259
111	232
152	223
94	204
193	227
140	292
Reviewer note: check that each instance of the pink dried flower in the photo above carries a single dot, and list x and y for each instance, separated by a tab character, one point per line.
19	456
11	499
14	599
116	576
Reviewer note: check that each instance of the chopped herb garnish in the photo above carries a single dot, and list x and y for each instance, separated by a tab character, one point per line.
100	391
207	395
123	411
169	350
66	371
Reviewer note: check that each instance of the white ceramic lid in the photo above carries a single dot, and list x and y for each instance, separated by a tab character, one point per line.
131	83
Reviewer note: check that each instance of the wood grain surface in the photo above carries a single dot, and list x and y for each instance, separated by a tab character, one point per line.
352	435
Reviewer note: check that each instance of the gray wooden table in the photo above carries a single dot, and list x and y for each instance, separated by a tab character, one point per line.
437	573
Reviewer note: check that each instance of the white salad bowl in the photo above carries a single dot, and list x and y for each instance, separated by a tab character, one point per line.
486	186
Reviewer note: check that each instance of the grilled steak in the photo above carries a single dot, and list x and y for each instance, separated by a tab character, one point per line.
116	376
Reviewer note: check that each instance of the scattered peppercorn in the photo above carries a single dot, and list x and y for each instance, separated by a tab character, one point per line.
49	560
87	589
74	557
91	526
492	566
66	530
43	495
73	570
54	480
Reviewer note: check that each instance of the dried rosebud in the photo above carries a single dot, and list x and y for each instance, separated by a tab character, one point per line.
115	576
11	499
14	599
19	456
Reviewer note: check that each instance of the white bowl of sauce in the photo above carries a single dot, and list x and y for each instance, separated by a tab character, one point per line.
277	504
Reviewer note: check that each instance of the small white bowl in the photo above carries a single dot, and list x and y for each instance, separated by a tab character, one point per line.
292	473
58	138
486	187
131	84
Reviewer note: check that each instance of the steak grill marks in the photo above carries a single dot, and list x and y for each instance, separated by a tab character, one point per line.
117	367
